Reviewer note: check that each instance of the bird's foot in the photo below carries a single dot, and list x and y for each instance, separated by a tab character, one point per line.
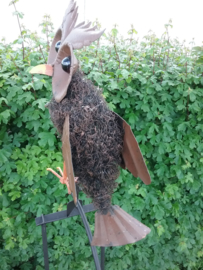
63	177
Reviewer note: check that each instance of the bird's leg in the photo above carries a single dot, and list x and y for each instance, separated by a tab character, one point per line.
63	177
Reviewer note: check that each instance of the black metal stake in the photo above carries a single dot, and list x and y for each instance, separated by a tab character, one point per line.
89	234
102	257
71	211
45	246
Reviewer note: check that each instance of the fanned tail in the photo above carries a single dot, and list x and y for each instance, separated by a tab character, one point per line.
117	228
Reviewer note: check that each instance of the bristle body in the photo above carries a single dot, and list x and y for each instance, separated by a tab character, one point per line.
117	228
96	139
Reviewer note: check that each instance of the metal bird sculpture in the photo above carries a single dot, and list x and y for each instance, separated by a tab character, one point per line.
95	140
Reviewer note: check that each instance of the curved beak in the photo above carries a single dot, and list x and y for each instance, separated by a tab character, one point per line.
42	69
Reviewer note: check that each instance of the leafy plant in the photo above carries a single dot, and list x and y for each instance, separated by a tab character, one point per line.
156	85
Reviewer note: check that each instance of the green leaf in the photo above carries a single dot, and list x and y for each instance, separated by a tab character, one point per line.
111	106
158	87
41	103
158	211
3	100
125	73
5	116
192	96
114	85
46	138
5	200
4	155
145	108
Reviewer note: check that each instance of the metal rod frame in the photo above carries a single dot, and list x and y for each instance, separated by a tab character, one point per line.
72	210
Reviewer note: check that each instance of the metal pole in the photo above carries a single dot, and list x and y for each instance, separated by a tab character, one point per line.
89	234
102	258
72	210
45	246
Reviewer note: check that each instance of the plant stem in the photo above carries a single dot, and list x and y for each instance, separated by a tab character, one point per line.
16	65
153	62
188	105
42	53
117	55
20	31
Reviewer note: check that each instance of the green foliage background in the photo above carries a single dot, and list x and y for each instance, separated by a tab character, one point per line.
157	86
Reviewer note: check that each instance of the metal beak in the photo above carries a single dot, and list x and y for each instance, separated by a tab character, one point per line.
42	69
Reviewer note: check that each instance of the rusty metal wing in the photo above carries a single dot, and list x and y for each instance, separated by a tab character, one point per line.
83	35
67	156
69	19
132	156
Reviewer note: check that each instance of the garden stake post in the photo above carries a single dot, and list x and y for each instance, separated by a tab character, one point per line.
102	257
45	247
72	210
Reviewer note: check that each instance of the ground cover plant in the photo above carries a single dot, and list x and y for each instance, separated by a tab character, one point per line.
156	84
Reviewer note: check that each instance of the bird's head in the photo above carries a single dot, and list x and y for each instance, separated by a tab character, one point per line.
62	63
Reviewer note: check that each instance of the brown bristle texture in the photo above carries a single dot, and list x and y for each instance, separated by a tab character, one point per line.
117	228
96	139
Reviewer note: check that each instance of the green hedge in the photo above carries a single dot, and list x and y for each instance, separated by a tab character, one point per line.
157	86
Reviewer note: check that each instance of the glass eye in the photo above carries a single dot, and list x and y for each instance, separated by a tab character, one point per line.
57	45
66	63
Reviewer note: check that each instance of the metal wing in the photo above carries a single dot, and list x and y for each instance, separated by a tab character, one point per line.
79	35
69	19
66	149
132	156
83	35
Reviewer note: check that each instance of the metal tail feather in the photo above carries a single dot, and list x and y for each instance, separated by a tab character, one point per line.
117	228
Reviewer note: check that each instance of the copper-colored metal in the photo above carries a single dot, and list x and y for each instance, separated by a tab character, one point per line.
82	34
52	51
132	155
69	19
80	37
66	149
71	38
117	228
63	177
87	25
61	79
42	69
80	24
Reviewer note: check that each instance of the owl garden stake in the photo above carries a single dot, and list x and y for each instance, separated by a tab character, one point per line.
95	140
